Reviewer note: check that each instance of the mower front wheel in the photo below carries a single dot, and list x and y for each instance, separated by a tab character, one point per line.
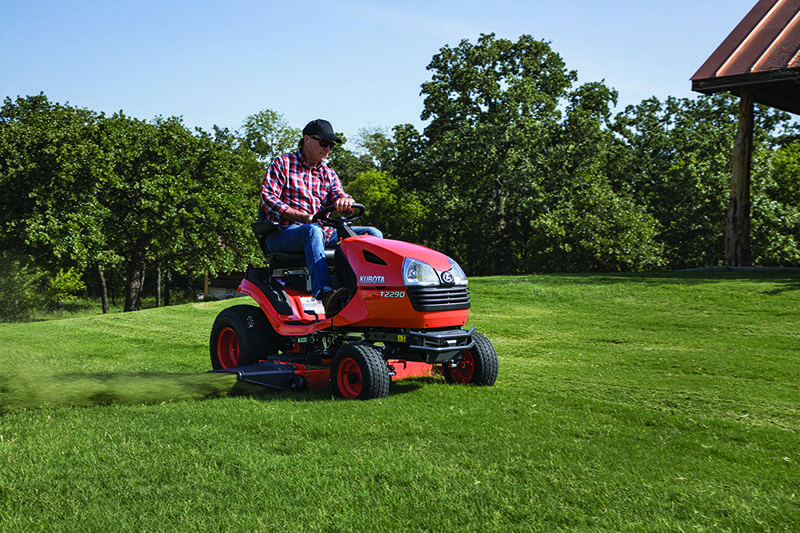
241	336
359	372
477	365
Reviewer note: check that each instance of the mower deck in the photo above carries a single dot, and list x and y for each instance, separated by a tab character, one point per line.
284	375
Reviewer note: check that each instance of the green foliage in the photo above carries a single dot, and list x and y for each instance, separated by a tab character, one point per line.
675	158
598	230
50	169
268	135
64	285
676	161
349	164
20	296
512	154
394	211
491	105
776	209
80	189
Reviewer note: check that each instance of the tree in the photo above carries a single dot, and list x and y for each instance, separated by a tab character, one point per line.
595	230
404	158
50	167
180	201
776	209
510	148
674	157
395	212
20	291
80	189
492	106
375	144
581	223
267	134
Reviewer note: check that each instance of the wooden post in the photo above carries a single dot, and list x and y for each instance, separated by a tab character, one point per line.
737	234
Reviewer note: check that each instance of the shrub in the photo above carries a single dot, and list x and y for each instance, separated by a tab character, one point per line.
19	283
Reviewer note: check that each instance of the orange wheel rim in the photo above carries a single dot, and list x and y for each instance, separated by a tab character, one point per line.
464	369
349	379
228	348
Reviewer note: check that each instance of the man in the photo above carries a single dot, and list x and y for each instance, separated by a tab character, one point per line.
296	186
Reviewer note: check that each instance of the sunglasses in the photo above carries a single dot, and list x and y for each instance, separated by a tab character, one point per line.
322	142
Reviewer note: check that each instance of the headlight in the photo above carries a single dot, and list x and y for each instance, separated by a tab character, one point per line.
420	273
416	272
459	278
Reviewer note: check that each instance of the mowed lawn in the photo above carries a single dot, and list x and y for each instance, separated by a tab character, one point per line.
627	402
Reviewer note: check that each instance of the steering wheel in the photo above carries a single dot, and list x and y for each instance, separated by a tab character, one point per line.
322	215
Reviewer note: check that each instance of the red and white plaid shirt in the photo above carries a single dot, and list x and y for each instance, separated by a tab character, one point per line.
290	183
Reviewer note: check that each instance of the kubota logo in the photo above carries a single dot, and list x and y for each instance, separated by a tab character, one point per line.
371	279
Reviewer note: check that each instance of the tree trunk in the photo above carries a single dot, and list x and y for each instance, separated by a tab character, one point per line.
134	286
112	291
166	287
103	287
500	252
158	287
737	234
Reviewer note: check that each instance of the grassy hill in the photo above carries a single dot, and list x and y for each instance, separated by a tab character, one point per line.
630	402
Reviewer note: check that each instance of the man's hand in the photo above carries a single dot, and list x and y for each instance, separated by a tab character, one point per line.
344	205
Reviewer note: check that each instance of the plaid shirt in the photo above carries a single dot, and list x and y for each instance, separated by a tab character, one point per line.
290	183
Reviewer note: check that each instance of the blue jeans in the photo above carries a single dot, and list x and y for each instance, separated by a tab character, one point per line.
310	240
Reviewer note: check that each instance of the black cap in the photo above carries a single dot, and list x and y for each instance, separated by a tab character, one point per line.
322	128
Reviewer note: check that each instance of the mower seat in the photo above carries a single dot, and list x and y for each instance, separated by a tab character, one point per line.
283	259
290	260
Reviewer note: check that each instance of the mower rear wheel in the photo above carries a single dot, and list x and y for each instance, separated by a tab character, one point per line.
359	372
477	365
241	335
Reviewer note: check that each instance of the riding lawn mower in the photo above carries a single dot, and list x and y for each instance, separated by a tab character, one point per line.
402	315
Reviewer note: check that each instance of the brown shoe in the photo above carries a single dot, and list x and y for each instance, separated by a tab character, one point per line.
333	301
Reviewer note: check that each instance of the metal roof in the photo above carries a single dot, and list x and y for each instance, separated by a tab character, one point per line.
762	53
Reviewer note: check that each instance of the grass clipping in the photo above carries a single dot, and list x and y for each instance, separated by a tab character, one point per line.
30	391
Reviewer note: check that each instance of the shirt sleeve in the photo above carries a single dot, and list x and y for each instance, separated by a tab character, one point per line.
335	190
271	190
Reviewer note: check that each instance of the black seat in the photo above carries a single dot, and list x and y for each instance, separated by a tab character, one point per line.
283	259
289	260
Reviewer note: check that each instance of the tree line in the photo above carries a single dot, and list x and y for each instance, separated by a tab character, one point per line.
519	169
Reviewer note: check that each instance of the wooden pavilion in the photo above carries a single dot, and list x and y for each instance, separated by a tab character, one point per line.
759	62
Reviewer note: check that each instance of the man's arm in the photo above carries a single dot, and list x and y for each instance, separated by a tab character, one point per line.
271	189
294	215
342	200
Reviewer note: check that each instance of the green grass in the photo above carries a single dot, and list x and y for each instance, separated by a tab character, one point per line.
630	402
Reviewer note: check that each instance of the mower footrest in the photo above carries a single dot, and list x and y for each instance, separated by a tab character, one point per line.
279	376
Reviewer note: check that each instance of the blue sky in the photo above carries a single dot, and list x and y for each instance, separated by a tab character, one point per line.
357	63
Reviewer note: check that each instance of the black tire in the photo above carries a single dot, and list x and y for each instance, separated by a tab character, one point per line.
242	335
359	372
477	365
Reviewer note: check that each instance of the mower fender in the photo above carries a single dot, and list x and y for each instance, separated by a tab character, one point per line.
292	326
